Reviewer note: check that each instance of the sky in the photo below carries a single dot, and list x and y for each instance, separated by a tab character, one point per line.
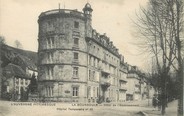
18	21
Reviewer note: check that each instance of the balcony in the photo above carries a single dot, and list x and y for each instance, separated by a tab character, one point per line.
76	33
123	79
75	47
137	84
105	82
123	88
75	61
105	72
137	91
132	75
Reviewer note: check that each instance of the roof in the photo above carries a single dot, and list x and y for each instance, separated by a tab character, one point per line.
87	7
26	62
15	70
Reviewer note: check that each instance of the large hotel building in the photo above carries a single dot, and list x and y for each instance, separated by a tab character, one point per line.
77	64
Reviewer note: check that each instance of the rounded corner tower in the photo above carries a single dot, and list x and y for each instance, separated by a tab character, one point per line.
62	54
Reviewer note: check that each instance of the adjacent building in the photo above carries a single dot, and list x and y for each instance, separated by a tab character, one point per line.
17	69
15	82
134	84
138	86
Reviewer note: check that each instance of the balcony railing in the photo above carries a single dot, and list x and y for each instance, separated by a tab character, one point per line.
123	79
62	11
105	81
75	46
75	61
123	88
137	91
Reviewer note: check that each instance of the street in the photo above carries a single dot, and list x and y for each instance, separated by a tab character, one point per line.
67	109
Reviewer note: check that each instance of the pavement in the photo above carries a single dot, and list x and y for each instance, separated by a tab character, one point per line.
129	108
171	110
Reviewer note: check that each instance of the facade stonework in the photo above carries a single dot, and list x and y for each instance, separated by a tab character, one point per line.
77	64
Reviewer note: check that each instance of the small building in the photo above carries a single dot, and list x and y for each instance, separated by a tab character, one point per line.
15	83
17	67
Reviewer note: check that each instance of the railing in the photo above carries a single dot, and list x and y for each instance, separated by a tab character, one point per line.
132	75
105	81
75	46
76	61
137	91
64	11
105	70
123	79
123	88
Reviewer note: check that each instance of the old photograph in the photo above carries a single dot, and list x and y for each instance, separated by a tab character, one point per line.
91	57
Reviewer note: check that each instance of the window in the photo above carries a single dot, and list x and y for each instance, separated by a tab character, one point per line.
89	92
7	89
89	60
50	72
94	92
109	93
75	91
76	24
75	56
50	56
75	72
89	74
94	62
49	91
93	76
76	41
50	41
97	92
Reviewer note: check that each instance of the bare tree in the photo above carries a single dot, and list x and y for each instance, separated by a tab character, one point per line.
160	25
18	44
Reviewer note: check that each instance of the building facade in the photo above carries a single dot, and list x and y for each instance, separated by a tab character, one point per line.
77	64
15	83
134	84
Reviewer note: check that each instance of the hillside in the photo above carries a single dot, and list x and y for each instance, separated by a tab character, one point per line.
8	54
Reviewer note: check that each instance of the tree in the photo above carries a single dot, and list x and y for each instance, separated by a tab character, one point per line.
160	26
2	40
18	44
33	84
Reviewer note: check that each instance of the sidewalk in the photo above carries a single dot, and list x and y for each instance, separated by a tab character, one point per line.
171	110
140	103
